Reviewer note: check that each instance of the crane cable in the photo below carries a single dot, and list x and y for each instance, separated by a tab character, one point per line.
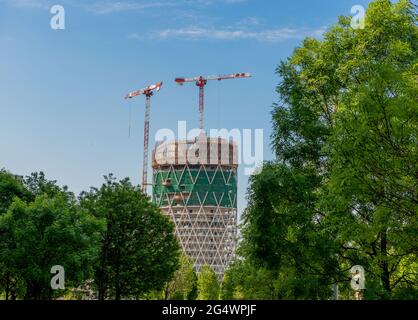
219	106
130	120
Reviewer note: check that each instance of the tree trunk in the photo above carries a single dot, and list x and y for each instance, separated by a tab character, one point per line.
385	276
7	287
117	284
166	293
117	292
101	294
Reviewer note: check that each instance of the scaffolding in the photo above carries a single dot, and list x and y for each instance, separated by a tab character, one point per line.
195	184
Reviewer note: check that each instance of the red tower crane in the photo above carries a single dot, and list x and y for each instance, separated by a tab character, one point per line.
202	81
148	92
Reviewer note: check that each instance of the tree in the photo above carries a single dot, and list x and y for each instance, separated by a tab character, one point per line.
51	230
10	187
183	282
246	280
343	188
282	237
372	184
37	184
243	281
207	284
228	287
138	252
194	292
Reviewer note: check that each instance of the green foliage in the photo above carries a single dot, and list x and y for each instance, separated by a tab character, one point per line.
207	284
227	288
113	238
343	188
184	281
193	294
245	281
10	187
138	251
37	185
372	183
34	236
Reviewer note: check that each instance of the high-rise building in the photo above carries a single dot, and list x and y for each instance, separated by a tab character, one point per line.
195	184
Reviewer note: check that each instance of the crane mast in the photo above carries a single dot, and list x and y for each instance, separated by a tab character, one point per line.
201	84
148	92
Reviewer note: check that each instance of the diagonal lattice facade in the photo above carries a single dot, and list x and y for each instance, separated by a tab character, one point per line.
200	197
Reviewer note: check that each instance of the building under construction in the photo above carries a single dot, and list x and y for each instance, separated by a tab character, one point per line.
195	184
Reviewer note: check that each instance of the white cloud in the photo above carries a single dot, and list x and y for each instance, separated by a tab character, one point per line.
212	2
249	21
134	36
228	33
38	4
249	28
108	6
105	7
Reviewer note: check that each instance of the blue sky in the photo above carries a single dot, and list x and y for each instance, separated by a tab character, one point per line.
61	91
